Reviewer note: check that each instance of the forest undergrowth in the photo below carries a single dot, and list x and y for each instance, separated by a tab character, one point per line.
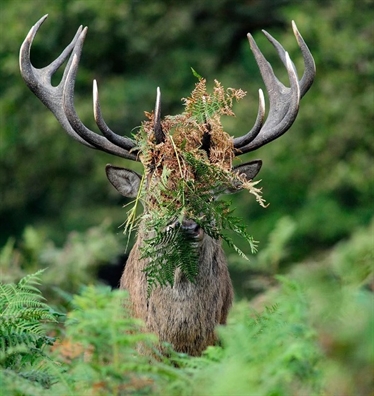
309	333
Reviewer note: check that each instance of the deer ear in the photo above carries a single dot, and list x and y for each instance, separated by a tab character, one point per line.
125	181
249	169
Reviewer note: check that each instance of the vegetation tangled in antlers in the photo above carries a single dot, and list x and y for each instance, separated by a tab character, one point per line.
183	178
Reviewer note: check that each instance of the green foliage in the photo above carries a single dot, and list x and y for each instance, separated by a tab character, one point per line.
277	250
166	252
100	350
74	264
257	275
340	287
23	336
309	334
170	248
77	262
353	260
182	180
272	353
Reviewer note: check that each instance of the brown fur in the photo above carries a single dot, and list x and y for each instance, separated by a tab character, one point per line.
186	314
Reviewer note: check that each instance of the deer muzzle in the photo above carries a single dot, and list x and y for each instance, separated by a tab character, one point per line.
192	230
189	228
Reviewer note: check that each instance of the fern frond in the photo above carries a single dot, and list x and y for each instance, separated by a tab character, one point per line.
183	179
22	333
167	252
22	312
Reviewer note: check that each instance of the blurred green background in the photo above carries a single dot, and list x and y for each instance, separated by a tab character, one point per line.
318	178
314	271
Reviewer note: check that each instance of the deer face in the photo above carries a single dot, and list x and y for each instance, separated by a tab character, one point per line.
127	182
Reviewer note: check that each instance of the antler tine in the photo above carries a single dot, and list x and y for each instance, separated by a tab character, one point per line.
159	133
28	71
284	102
249	136
309	64
39	80
55	98
120	141
93	138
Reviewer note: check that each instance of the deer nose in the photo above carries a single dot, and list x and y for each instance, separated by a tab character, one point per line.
192	229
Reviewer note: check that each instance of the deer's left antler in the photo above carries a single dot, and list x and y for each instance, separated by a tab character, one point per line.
284	101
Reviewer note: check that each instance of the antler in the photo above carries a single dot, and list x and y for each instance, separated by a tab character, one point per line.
284	102
60	99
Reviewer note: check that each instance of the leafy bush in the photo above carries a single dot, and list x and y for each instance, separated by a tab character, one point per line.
23	336
309	334
74	264
100	349
274	352
97	355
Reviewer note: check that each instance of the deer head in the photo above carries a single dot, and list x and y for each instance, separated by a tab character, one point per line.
186	313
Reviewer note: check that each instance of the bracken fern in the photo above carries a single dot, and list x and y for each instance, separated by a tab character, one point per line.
182	180
22	332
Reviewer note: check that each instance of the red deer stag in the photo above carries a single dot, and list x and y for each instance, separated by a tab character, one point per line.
186	314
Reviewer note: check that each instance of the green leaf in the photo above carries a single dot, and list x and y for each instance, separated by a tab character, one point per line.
196	74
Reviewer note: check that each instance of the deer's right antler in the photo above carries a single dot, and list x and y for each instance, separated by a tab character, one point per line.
60	99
